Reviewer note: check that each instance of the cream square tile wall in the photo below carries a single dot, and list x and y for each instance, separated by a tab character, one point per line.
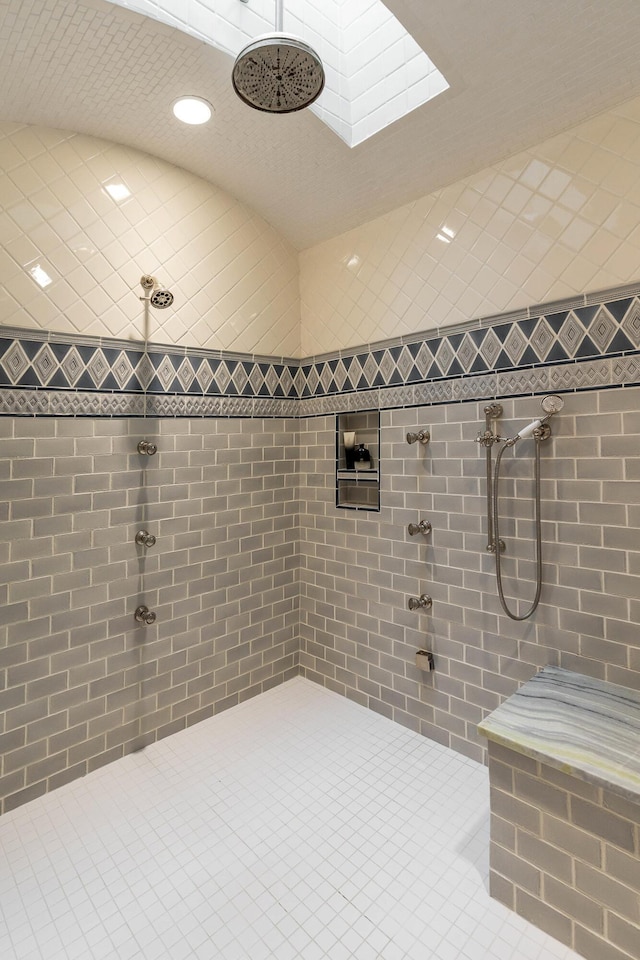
556	220
81	220
359	569
80	682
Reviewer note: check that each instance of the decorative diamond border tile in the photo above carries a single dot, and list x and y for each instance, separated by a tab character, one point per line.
585	343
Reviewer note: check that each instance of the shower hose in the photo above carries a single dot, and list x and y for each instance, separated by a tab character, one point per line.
496	533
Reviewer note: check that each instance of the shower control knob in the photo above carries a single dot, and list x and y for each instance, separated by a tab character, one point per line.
423	602
144	615
145	539
423	436
424	526
147	448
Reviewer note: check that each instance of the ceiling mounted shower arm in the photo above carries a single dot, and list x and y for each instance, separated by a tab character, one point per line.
277	73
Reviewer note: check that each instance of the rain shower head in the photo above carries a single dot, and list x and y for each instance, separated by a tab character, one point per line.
277	73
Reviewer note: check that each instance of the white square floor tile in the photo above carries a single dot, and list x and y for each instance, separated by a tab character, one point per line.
296	826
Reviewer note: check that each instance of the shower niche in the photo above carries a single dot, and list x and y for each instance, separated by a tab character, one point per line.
357	460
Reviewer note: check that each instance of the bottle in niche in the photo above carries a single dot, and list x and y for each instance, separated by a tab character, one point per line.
349	449
362	458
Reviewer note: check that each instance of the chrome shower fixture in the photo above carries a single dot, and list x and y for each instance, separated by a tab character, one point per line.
422	436
424	526
552	404
145	539
155	295
277	73
539	428
423	602
144	615
147	448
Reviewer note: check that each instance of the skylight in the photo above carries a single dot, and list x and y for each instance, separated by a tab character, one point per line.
375	71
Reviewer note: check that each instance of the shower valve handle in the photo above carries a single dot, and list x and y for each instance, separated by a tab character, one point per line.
423	602
424	526
145	539
144	615
422	435
147	448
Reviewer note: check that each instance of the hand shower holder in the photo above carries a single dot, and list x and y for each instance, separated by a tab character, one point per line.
543	432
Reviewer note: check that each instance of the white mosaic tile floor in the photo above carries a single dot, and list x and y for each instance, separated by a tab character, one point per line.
297	825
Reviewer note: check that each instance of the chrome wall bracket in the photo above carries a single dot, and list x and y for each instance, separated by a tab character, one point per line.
490	436
543	432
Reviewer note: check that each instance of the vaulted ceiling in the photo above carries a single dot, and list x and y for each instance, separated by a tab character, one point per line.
518	73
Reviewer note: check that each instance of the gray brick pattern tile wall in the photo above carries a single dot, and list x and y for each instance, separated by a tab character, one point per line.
358	569
80	682
244	511
566	856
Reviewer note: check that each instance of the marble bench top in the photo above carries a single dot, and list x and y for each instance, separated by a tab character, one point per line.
582	726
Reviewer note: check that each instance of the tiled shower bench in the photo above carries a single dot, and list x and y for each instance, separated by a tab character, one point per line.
564	769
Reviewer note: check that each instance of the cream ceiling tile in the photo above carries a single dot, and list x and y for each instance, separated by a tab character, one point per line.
81	281
61	294
22	288
577	234
132	243
22	250
43	313
10	157
623	263
62	260
64	224
580	274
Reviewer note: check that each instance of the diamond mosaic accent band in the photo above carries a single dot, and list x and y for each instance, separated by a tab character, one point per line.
563	349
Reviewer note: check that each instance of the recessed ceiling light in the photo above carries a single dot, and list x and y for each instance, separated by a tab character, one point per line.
192	110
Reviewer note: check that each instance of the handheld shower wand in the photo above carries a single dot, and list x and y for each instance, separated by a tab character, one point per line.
551	404
540	430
